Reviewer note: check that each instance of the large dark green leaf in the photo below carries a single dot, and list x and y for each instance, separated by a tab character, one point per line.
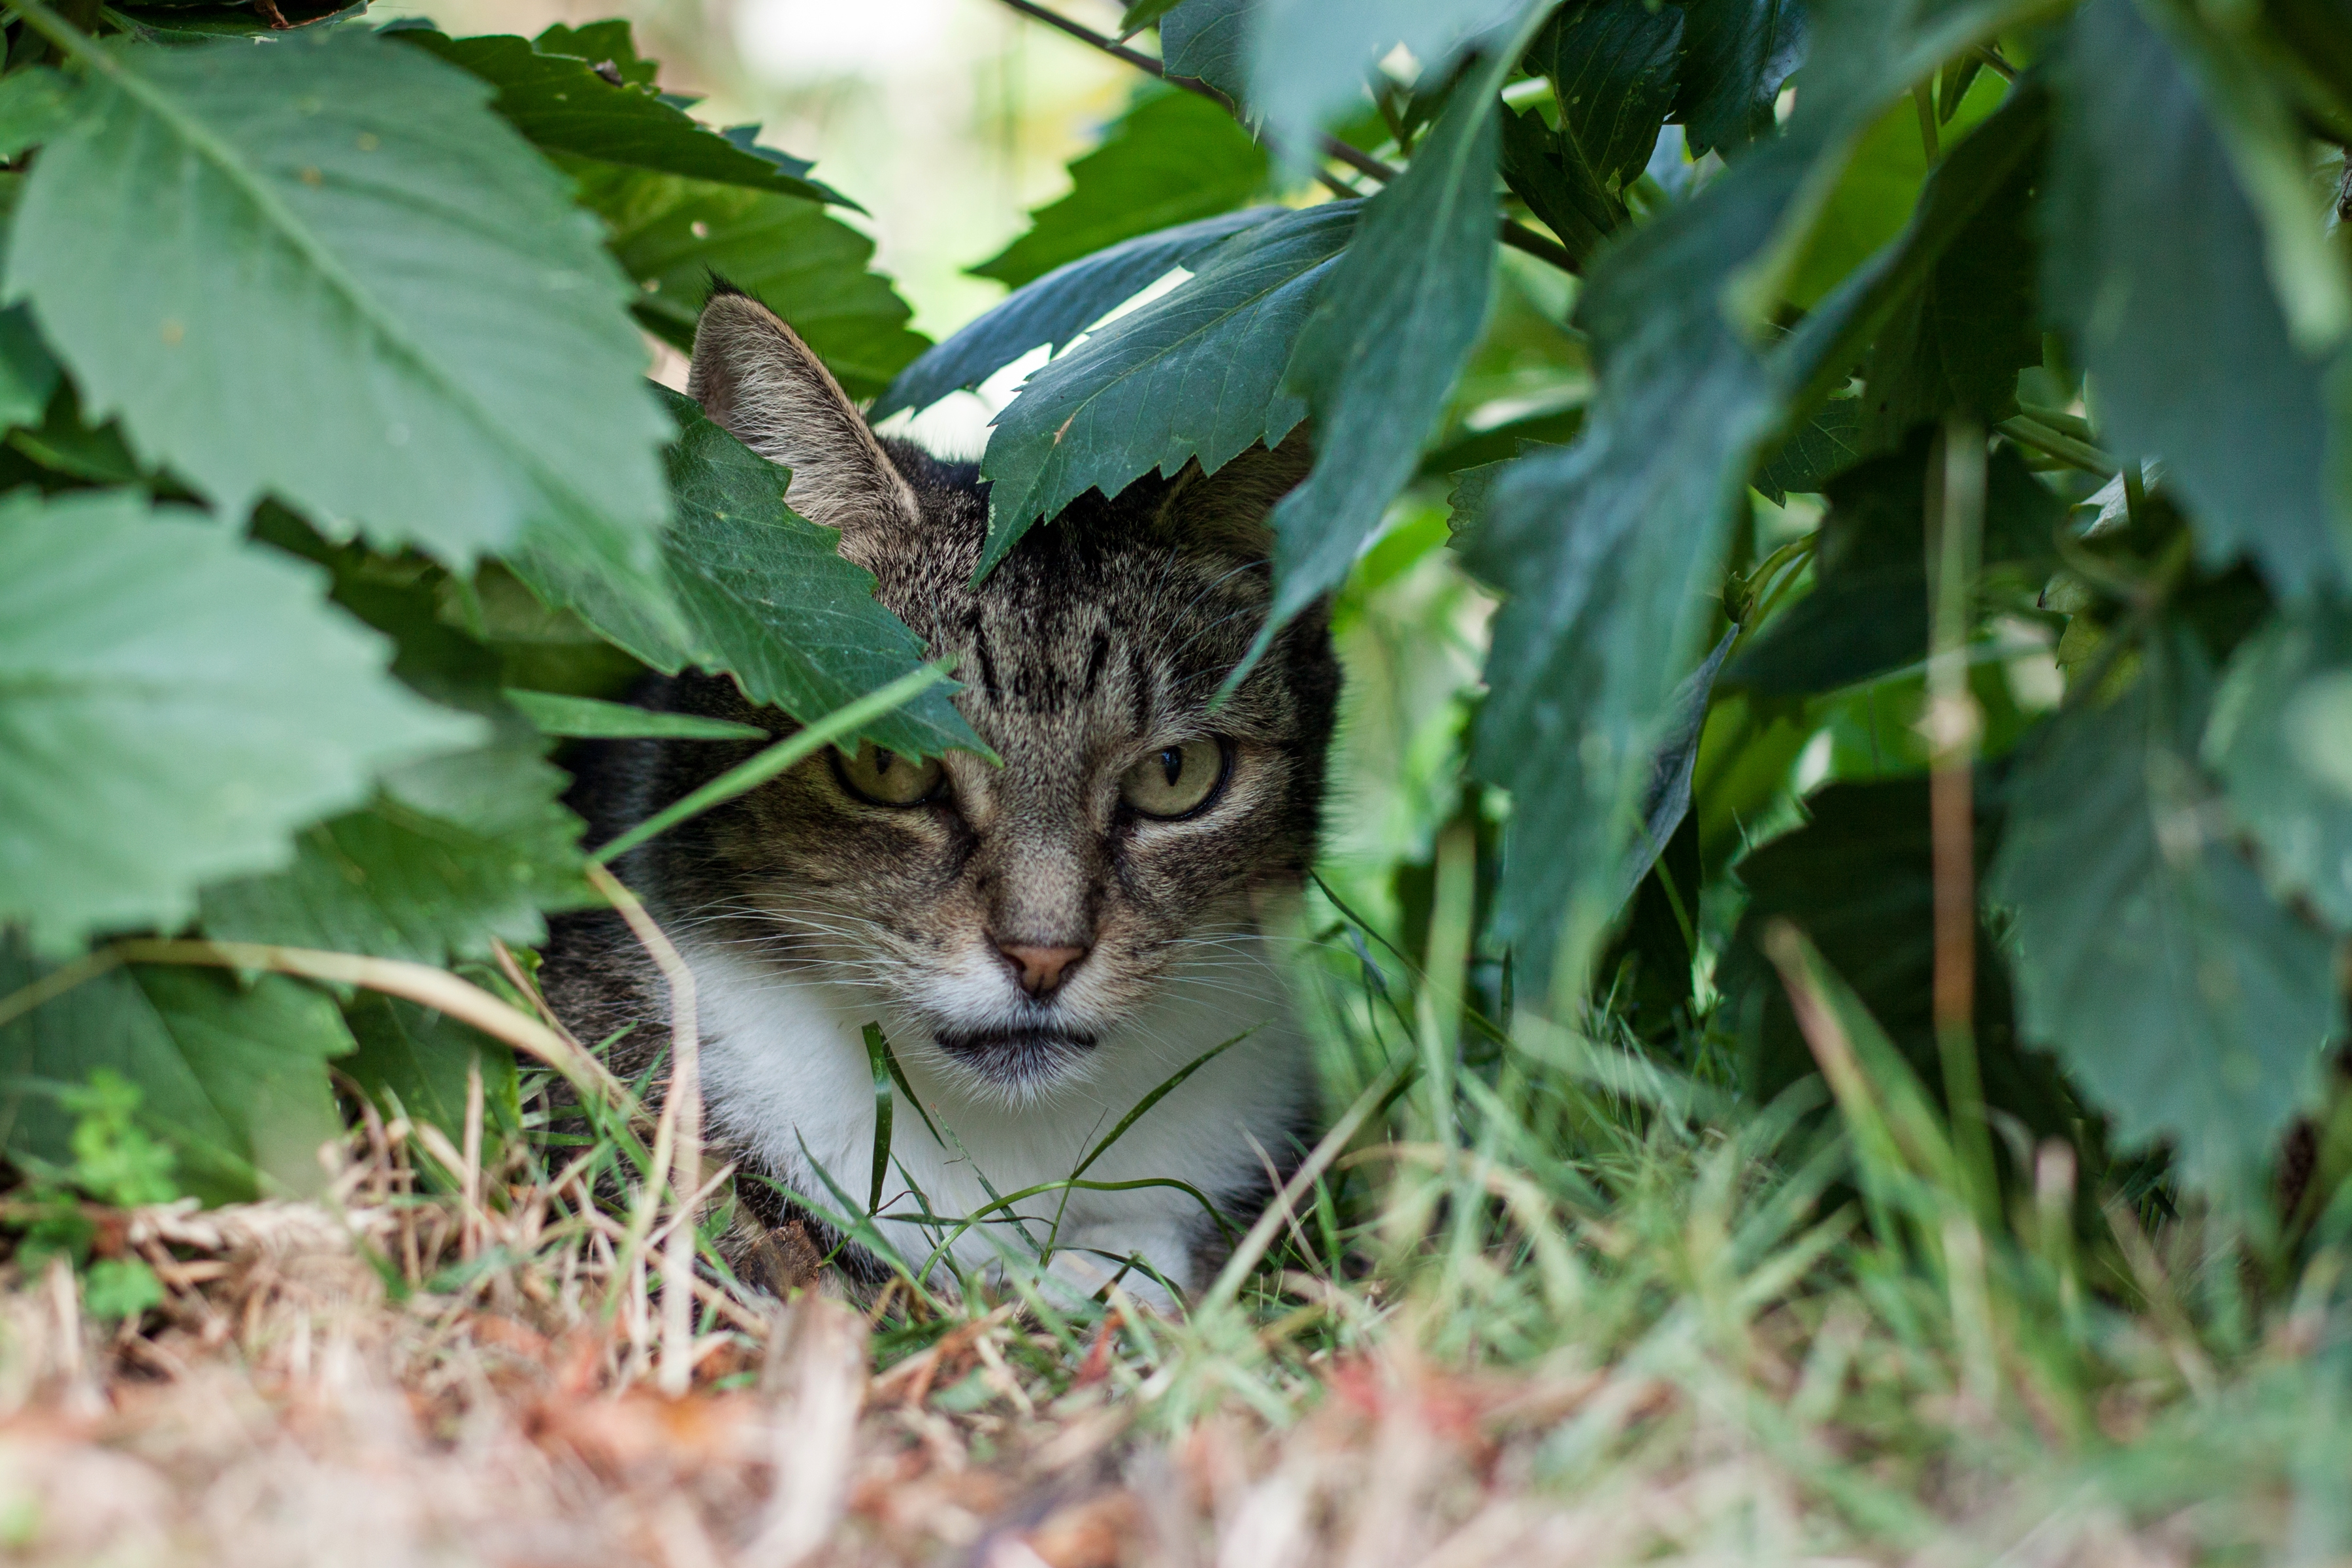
418	1059
1173	157
321	268
1196	373
1859	879
36	103
2281	739
27	375
173	703
234	1077
764	594
2147	953
1958	341
564	104
1737	54
1545	168
1826	445
1057	308
1308	60
808	266
1867	613
1604	549
1612	64
454	850
1205	41
2154	258
1402	309
1975	176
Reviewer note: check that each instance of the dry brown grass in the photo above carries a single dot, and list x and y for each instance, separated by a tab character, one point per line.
295	1404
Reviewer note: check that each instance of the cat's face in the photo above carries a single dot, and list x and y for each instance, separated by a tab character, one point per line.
1019	912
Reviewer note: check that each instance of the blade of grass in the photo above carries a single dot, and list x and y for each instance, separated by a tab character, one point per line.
751	774
878	1056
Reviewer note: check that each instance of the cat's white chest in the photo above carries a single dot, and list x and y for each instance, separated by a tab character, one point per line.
789	1080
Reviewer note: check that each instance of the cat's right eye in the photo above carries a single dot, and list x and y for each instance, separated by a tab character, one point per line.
887	778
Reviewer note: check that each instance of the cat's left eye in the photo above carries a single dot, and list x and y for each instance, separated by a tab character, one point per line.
887	778
1175	781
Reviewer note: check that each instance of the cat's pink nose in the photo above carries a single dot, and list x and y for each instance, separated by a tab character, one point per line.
1041	968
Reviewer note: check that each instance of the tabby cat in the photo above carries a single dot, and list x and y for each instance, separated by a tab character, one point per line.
1042	941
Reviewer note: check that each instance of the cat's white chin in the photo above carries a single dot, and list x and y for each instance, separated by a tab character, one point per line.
791	1084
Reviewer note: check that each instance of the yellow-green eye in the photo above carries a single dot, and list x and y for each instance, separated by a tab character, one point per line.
1176	781
886	778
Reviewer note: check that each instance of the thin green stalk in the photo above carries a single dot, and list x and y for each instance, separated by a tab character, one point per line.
1956	505
1228	1282
2027	431
1438	1009
750	775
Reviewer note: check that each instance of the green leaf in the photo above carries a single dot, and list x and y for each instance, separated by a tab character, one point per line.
331	236
2260	119
1979	174
1172	158
36	103
234	1078
173	702
1867	613
1858	878
28	376
1737	54
560	101
589	719
1141	14
1206	41
179	23
672	235
2281	740
417	1059
1545	170
1827	444
1606	549
1958	340
770	594
1057	308
606	43
2147	954
118	1288
1612	65
1879	189
764	594
2156	262
1196	373
1308	61
1390	330
456	851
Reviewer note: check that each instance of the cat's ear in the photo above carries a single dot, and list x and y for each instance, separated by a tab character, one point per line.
759	381
1229	510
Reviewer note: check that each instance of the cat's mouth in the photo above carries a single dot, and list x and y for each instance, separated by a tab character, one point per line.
1013	1054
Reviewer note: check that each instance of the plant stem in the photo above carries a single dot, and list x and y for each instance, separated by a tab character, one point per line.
1956	500
1513	233
419	983
679	1134
2027	431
